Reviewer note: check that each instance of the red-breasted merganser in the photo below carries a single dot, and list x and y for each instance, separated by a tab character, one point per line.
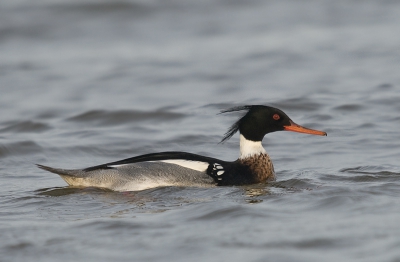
187	169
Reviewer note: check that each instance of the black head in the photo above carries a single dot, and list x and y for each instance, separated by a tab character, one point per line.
261	120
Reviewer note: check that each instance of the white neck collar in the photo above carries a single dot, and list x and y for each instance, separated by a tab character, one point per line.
250	148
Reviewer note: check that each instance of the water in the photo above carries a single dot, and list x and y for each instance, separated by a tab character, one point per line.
88	82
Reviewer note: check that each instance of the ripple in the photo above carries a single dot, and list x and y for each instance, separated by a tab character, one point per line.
298	103
25	127
370	174
385	86
121	117
367	125
19	246
113	225
221	213
306	243
369	170
219	106
315	243
19	148
320	117
103	7
349	107
296	184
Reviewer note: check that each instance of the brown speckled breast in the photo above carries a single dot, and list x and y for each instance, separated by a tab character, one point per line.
260	166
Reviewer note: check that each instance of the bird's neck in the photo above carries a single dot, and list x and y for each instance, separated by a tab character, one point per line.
250	148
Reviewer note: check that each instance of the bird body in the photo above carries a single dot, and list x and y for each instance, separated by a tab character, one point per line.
186	169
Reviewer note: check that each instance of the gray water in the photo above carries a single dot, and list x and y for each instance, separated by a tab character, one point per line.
88	82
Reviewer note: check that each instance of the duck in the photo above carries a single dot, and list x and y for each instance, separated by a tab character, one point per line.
175	168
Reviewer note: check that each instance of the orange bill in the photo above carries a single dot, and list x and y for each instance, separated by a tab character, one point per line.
297	128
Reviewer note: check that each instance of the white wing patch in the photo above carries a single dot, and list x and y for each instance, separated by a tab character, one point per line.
195	165
116	166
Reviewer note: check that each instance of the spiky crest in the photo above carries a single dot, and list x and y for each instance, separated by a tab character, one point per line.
235	127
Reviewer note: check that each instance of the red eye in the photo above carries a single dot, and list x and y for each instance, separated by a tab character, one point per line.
276	117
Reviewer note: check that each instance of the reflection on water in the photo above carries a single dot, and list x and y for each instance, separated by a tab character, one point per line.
64	191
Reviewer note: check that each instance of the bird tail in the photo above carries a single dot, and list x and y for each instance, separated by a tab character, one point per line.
73	177
59	171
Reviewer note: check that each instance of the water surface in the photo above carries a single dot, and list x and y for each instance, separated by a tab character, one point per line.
89	82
